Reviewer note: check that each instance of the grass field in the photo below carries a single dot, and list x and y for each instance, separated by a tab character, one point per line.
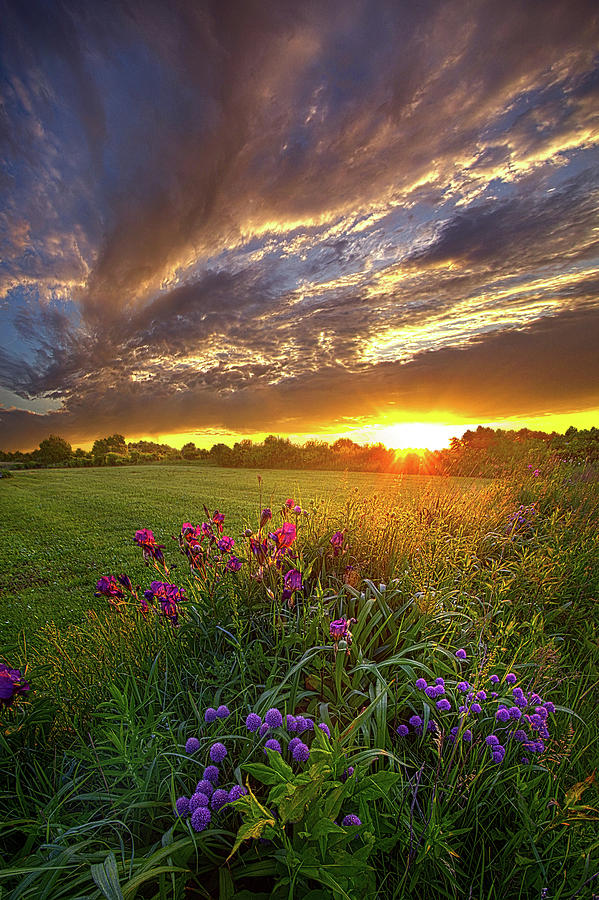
61	529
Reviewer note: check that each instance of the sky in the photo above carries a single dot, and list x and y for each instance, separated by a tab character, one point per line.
228	219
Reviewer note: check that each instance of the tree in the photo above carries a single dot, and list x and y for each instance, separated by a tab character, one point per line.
189	451
54	449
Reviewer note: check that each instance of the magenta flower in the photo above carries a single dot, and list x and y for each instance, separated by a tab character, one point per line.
297	510
461	653
233	564
12	683
218	518
284	536
293	580
337	542
265	516
146	540
289	502
226	544
108	587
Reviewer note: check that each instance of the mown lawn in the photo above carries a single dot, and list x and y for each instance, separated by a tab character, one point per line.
61	529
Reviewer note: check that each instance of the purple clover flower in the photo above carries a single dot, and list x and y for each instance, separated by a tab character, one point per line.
253	722
324	727
300	724
211	774
192	745
218	752
431	691
197	800
273	718
403	730
421	684
210	715
511	678
519	735
222	712
301	752
272	744
463	686
236	792
290	722
350	820
205	787
444	705
219	799
461	653
200	819
182	806
415	721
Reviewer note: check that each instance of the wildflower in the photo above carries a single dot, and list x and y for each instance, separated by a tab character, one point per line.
415	722
253	722
200	819
182	806
233	564
444	705
198	800
467	736
108	586
225	544
290	723
491	739
440	681
461	653
463	686
549	707
125	581
494	679
476	708
284	536
536	721
481	695
272	744
300	724
210	715
297	510
300	752
205	787
519	735
222	712
293	580
293	744
403	730
510	678
347	774
11	684
211	774
146	540
273	718
265	516
324	727
534	698
219	799
236	792
289	502
502	715
514	712
497	755
494	695
308	725
337	542
259	550
218	752
432	725
351	820
192	745
452	734
218	518
421	684
263	729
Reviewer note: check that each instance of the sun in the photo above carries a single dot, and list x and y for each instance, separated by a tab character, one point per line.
417	435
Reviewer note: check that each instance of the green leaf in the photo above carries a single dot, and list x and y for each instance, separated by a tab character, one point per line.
249	830
106	878
279	765
263	774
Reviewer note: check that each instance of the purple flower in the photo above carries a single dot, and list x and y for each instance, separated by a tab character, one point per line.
145	539
491	739
337	542
253	722
350	820
440	681
182	806
272	744
502	715
431	691
339	628
297	510
236	792
219	798
197	800
476	708
494	695
308	725
108	587
210	715
293	744
293	580
233	564
421	684
534	698
415	721
290	723
467	736
481	695
514	712
273	718
494	679
225	544
536	721
324	727
205	787
497	756
211	774
263	729
218	752
300	752
461	653
222	712
549	707
265	516
432	725
511	678
403	730
347	774
200	818
192	745
444	705
300	724
463	686
12	683
519	735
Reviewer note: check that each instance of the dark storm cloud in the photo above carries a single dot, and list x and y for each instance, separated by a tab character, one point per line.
243	201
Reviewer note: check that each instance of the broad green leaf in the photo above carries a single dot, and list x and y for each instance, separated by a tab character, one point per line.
106	878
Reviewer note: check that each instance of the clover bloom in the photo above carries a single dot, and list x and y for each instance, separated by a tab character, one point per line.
461	653
272	744
11	684
198	800
337	542
263	729
273	718
219	798
403	730
432	725
222	712
205	787
481	695
297	510
300	752
511	678
350	820
491	739
182	806
324	727
218	752
421	684
192	745
502	715
211	774
549	706
200	819
233	564
210	715
253	722
514	712
236	792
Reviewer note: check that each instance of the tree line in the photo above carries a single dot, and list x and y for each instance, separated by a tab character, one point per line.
484	452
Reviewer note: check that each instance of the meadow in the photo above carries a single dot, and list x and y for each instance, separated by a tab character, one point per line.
385	687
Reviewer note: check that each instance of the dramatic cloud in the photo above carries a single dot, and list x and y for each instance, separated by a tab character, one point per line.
275	216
